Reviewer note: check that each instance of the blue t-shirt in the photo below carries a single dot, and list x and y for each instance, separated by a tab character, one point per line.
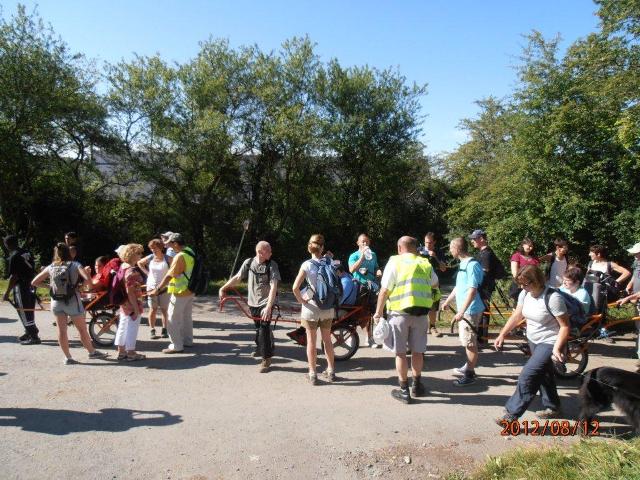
583	297
349	290
368	266
469	275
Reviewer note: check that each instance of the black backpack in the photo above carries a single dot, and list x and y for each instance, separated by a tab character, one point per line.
199	279
607	281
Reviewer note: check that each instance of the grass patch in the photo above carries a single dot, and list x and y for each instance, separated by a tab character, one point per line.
585	460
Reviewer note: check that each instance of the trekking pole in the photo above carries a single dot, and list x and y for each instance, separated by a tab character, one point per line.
245	229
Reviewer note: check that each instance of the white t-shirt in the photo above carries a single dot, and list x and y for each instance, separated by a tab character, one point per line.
542	326
157	271
558	267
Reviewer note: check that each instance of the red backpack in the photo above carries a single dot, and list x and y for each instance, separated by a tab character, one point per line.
118	292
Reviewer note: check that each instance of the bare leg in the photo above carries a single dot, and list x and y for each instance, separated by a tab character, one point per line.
472	357
152	317
81	325
417	361
402	367
312	354
328	348
63	338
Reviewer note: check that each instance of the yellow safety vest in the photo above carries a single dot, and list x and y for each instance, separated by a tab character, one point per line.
180	284
413	283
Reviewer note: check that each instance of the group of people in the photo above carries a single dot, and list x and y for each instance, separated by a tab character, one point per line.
405	293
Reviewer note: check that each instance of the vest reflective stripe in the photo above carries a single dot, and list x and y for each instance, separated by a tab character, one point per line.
413	283
180	284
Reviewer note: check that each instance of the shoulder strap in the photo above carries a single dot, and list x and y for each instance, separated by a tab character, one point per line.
547	295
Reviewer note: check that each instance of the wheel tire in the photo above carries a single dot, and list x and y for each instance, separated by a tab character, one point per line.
576	363
345	342
97	324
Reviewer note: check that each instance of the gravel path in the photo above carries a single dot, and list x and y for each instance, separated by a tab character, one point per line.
209	413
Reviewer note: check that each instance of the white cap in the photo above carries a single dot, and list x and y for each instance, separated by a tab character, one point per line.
635	249
119	249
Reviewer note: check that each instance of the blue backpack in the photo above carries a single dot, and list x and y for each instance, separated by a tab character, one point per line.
577	316
328	289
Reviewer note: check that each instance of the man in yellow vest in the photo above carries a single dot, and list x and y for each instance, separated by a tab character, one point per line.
406	287
180	324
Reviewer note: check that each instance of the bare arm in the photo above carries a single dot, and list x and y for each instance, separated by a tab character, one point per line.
273	291
41	277
452	295
233	281
624	273
132	296
514	269
514	320
143	264
563	335
545	258
382	298
297	283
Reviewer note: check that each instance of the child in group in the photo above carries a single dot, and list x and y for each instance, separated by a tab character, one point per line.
571	280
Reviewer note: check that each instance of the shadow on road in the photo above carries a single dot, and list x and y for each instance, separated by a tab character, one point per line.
64	422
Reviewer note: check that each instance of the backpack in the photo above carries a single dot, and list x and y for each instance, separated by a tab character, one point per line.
577	316
62	287
328	290
118	292
108	272
607	281
199	280
499	271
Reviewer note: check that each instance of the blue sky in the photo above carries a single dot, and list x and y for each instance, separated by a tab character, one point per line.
464	50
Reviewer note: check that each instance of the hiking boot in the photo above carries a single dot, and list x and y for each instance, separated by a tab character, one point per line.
31	341
329	375
164	333
313	378
549	413
401	394
153	335
265	365
22	338
464	381
417	388
460	371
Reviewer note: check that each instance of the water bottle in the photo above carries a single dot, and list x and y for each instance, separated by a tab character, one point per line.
367	254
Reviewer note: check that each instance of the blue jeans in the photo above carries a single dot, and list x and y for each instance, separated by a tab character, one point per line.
537	374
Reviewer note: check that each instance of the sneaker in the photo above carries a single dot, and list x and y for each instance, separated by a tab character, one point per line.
507	417
464	381
164	333
548	413
70	361
264	366
417	388
153	334
31	341
401	394
98	354
460	371
313	378
329	375
169	351
22	338
376	345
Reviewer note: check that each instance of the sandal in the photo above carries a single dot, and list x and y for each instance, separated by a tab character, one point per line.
136	357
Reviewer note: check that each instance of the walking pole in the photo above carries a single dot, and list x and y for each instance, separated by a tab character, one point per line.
245	229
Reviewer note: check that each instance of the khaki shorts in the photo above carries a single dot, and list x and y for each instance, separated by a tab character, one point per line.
161	301
314	324
468	337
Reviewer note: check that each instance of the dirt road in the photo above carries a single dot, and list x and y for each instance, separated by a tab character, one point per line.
209	414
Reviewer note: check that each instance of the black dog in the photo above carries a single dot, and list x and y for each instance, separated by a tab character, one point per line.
606	385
